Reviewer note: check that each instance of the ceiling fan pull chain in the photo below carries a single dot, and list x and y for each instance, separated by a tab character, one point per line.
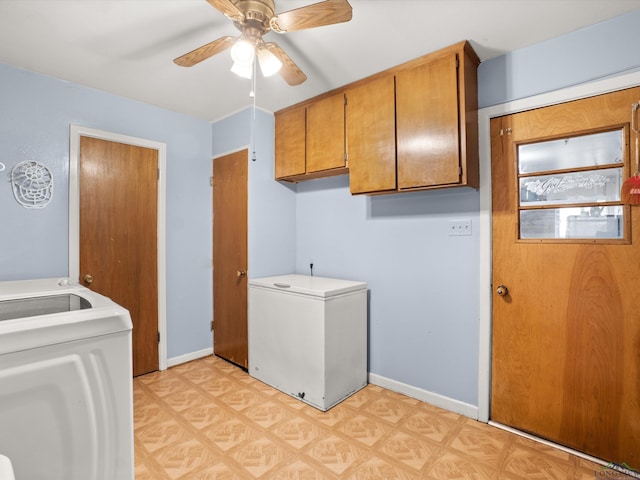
253	114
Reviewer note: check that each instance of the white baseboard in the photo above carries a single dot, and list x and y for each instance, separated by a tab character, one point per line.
172	362
436	399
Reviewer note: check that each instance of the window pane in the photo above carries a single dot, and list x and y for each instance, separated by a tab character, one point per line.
573	222
577	187
574	152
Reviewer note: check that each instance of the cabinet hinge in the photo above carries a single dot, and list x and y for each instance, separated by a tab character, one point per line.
457	62
346	157
158	174
212	182
345	99
460	171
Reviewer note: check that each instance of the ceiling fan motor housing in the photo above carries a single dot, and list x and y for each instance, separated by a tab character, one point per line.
257	15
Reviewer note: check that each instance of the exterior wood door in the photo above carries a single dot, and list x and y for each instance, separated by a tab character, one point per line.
230	339
566	316
118	235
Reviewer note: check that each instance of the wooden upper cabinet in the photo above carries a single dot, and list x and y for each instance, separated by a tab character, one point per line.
290	142
325	134
371	145
411	127
427	125
437	120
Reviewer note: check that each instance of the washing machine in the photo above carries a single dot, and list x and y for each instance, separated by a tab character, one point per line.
66	392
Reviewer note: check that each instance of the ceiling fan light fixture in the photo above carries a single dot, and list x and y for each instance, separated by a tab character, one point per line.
255	18
242	70
269	63
243	51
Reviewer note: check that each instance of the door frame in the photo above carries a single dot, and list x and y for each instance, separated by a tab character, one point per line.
485	291
77	131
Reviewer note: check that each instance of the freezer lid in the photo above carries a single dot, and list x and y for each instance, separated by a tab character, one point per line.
305	284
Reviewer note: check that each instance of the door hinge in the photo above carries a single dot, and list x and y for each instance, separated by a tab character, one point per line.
212	325
158	337
212	181
158	174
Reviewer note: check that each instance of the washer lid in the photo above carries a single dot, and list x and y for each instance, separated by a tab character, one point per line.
43	312
44	305
307	285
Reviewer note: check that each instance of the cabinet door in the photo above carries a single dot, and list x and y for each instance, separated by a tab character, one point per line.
325	134
290	142
371	145
427	125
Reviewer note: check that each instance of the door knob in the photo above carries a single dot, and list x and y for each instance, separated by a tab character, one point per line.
88	279
502	290
241	273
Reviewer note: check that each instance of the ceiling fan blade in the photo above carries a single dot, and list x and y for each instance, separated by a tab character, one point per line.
289	71
316	15
204	52
228	8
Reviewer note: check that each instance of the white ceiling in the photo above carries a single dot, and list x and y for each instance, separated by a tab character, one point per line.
127	47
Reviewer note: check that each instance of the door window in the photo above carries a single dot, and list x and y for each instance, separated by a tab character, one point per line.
569	188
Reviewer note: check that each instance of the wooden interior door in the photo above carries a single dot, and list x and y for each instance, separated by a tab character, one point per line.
118	235
230	339
566	335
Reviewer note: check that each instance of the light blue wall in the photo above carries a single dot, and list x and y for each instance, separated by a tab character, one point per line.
271	229
423	283
588	54
35	114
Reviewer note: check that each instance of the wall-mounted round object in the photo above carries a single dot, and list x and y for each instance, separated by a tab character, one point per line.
32	184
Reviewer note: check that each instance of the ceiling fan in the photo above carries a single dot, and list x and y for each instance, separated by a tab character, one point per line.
254	18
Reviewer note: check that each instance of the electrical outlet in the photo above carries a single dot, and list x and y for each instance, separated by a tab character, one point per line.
460	227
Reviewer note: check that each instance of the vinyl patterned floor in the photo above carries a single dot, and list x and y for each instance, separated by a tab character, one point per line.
208	419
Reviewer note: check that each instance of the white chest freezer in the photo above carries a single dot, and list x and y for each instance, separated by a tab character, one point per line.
308	336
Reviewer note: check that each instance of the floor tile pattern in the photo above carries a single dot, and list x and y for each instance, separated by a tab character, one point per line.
208	419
